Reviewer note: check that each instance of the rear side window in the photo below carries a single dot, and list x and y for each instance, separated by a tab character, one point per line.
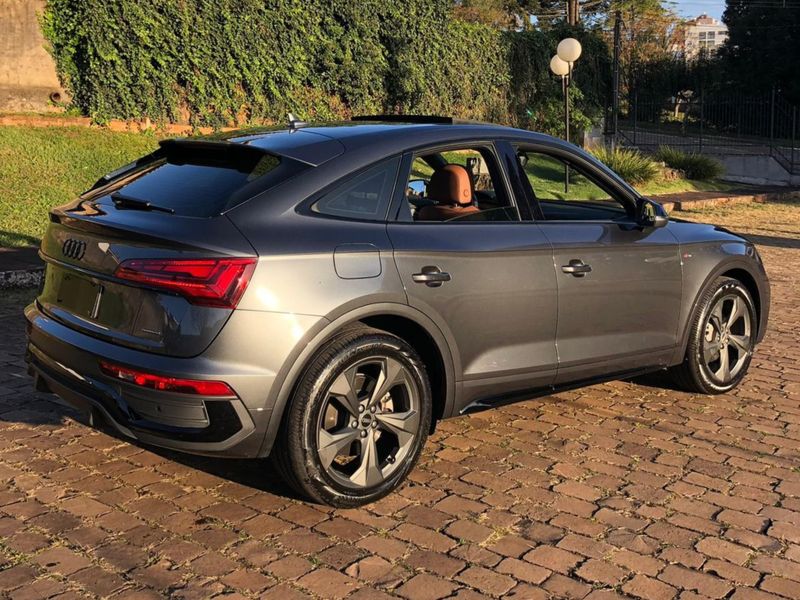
365	196
205	180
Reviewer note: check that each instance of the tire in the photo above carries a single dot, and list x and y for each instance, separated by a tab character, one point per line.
702	369
343	441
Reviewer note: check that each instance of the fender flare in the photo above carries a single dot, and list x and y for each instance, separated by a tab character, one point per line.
310	344
728	265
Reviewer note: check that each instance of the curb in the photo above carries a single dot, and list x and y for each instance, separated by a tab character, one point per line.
20	268
734	198
180	129
22	278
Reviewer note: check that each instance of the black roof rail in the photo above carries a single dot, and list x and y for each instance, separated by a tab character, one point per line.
406	119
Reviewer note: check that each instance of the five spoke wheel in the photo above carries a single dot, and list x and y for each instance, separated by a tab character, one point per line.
369	422
723	333
727	340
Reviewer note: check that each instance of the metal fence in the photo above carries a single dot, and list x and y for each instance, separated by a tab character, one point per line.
764	125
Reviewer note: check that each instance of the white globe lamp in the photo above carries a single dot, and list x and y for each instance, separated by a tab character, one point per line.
569	50
559	67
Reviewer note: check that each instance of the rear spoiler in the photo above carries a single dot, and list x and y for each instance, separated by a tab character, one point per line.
179	149
419	119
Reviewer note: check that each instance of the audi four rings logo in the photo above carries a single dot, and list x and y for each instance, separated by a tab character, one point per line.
74	249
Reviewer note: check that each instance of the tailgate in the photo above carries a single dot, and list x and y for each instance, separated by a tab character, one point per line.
84	246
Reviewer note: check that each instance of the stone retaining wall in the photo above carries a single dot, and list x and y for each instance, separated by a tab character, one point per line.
27	72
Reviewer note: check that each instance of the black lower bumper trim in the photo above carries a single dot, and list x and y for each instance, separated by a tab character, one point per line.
224	422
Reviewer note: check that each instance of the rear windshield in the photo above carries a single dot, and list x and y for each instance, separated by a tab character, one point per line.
200	180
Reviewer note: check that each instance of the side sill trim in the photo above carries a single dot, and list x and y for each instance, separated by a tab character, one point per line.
482	404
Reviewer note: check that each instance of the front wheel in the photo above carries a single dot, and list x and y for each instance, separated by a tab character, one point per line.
357	421
721	340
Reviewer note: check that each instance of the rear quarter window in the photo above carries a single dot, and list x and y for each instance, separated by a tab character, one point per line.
365	196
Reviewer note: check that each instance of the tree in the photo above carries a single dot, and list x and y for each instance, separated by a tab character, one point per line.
650	31
487	12
762	50
510	14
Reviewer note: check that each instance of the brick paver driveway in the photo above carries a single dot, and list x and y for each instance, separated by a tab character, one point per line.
628	489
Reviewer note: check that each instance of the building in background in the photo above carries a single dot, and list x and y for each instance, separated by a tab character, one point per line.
703	35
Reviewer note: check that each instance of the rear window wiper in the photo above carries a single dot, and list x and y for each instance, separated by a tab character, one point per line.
123	201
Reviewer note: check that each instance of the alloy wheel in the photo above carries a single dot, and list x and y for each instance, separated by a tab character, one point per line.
368	422
727	338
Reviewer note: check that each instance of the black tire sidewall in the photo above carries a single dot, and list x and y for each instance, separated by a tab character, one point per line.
310	398
699	370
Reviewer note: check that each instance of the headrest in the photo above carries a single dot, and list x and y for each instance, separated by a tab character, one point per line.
450	184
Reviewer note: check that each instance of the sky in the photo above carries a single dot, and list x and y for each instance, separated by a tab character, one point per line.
713	8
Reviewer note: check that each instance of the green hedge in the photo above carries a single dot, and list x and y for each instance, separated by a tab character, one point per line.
694	166
630	164
220	62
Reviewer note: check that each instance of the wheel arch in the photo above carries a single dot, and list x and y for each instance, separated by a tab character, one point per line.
399	319
749	282
416	335
741	271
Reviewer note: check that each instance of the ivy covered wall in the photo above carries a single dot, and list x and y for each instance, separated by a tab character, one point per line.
222	62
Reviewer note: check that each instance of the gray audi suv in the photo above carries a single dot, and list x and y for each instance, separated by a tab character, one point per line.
323	295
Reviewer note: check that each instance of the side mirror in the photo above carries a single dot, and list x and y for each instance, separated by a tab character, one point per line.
523	159
417	187
651	214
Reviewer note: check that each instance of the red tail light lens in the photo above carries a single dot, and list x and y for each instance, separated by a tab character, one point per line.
208	282
198	387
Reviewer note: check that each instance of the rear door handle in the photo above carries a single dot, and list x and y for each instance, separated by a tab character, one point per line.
577	268
431	276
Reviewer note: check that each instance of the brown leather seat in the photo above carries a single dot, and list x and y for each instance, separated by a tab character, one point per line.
451	188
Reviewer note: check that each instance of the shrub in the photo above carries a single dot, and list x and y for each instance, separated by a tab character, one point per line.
694	166
631	165
222	62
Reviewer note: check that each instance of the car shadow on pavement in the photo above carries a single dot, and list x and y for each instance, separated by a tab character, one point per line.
256	473
773	241
657	379
34	408
19	403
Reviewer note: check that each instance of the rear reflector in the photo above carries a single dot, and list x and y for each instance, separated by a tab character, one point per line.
198	387
209	282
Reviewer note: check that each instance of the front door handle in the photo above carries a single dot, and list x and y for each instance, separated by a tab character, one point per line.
577	268
431	276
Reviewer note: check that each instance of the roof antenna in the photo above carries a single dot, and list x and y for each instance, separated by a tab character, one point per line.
295	123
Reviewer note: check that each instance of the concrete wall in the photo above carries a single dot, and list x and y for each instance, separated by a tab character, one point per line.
27	72
757	169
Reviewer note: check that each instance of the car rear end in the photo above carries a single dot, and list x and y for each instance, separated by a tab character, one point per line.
136	321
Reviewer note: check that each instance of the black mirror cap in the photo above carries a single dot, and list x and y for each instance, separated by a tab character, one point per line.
651	214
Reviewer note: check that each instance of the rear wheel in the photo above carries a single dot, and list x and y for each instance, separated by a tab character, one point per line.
357	421
721	339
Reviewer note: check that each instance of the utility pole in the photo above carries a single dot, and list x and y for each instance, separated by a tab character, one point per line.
573	10
615	99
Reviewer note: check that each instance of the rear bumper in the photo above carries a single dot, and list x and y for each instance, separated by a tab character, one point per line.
65	362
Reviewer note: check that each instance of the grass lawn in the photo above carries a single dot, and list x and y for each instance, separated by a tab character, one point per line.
686	185
44	167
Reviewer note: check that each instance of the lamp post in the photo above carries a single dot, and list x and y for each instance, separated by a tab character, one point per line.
567	52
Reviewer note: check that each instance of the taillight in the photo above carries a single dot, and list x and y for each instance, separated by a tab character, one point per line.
208	281
199	387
